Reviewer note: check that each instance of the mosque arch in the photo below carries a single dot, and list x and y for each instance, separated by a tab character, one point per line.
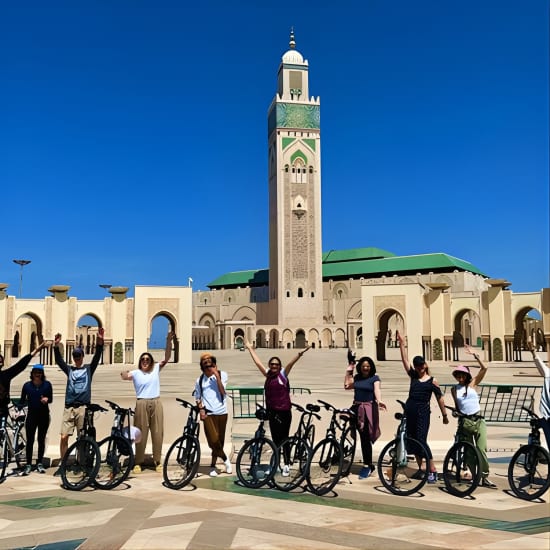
274	338
340	338
300	341
26	329
313	338
261	340
244	313
86	331
287	338
355	311
340	291
160	324
326	338
466	330
207	320
238	338
387	319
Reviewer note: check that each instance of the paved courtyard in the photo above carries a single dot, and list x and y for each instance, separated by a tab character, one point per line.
36	512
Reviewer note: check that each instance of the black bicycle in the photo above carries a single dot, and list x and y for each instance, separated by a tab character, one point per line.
257	458
117	456
82	460
294	453
462	464
528	472
12	439
333	456
399	463
183	458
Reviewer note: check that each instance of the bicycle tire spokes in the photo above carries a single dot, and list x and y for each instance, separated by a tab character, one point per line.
462	469
399	475
292	459
181	462
528	472
256	463
325	467
80	464
117	460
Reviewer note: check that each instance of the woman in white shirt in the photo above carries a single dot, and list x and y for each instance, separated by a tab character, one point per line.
466	401
149	415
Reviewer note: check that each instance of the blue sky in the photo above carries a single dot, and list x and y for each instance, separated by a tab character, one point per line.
133	135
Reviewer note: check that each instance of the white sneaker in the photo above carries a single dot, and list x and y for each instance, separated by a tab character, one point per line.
286	471
228	468
213	473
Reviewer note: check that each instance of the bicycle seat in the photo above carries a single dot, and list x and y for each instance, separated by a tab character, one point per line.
94	407
313	408
261	414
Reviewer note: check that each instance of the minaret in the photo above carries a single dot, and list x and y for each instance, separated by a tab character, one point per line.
294	167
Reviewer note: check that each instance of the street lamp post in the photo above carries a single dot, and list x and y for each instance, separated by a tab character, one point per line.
21	264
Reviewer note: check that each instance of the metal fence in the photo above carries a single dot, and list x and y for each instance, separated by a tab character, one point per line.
244	399
503	403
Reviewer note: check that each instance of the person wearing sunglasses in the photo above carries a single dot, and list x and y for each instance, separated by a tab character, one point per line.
277	395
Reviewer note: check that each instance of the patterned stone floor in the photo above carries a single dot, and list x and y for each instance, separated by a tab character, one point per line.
216	513
36	512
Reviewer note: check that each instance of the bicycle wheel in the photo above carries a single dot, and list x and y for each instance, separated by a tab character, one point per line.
528	473
256	463
181	462
462	469
292	459
4	455
19	444
325	467
80	464
398	470
310	436
117	459
349	443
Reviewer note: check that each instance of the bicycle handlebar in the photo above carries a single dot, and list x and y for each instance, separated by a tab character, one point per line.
530	412
186	404
118	408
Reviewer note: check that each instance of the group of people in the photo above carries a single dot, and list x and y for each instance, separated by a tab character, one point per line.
211	399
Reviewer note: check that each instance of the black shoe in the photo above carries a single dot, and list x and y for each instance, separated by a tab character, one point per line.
485	482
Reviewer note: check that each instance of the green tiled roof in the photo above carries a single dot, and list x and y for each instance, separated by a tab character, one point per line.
370	253
359	262
252	277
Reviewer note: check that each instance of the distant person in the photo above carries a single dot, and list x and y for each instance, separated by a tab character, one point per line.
211	399
367	400
544	407
466	401
37	394
7	375
149	414
397	336
277	397
417	407
389	338
78	392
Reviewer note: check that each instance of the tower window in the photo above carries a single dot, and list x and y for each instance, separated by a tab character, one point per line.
313	294
300	293
288	293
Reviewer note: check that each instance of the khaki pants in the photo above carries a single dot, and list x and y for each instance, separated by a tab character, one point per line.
149	416
214	429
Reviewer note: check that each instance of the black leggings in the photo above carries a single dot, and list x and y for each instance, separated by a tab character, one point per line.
279	425
37	420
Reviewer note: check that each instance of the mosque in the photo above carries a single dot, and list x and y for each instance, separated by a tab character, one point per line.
355	298
358	297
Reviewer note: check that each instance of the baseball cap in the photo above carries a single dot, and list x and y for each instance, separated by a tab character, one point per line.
78	352
418	361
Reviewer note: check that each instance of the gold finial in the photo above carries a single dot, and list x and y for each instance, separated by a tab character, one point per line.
292	42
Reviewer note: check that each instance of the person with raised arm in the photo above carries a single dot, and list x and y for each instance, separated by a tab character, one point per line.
78	392
277	395
367	400
149	414
466	401
417	407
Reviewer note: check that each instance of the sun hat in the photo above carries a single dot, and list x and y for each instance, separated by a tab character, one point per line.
462	368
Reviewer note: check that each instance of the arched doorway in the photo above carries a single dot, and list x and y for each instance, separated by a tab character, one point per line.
238	339
389	322
25	339
300	341
161	324
466	330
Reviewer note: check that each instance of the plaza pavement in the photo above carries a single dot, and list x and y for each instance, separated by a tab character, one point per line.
36	512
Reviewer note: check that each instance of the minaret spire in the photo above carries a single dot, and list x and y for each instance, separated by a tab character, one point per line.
292	43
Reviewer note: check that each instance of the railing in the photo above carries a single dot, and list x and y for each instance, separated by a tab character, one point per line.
244	399
502	403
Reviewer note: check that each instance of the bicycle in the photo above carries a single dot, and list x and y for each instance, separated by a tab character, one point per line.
293	454
394	463
462	463
257	458
117	456
332	457
183	458
528	473
12	440
82	460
